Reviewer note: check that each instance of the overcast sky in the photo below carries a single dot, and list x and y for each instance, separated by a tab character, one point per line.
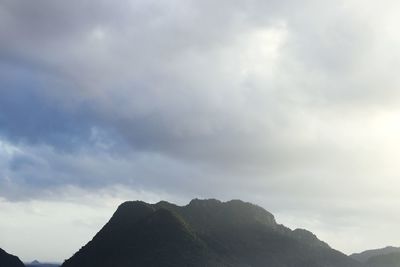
292	105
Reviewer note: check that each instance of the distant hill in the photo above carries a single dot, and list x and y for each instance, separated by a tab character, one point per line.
386	260
366	255
203	233
36	263
8	260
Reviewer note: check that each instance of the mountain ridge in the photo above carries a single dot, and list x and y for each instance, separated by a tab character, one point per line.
203	233
364	256
9	260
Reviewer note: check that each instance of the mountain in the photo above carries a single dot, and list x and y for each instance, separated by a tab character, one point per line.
8	260
36	263
203	233
385	260
366	255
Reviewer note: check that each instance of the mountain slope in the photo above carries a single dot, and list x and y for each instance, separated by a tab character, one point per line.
203	233
8	260
366	255
386	260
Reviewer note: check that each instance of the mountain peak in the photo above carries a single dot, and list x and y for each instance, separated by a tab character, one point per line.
204	202
133	210
132	205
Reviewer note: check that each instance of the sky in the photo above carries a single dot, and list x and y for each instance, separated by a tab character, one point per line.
292	105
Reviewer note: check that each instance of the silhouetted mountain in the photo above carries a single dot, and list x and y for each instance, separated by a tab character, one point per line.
386	260
366	255
203	233
8	260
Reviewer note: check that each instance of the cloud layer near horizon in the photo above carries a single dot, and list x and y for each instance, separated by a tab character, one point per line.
291	105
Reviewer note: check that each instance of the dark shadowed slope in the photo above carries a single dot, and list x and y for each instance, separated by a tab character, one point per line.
8	260
203	233
366	255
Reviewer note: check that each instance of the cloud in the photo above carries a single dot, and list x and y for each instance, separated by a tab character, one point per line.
286	104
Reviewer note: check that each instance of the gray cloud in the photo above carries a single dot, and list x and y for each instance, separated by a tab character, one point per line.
287	104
